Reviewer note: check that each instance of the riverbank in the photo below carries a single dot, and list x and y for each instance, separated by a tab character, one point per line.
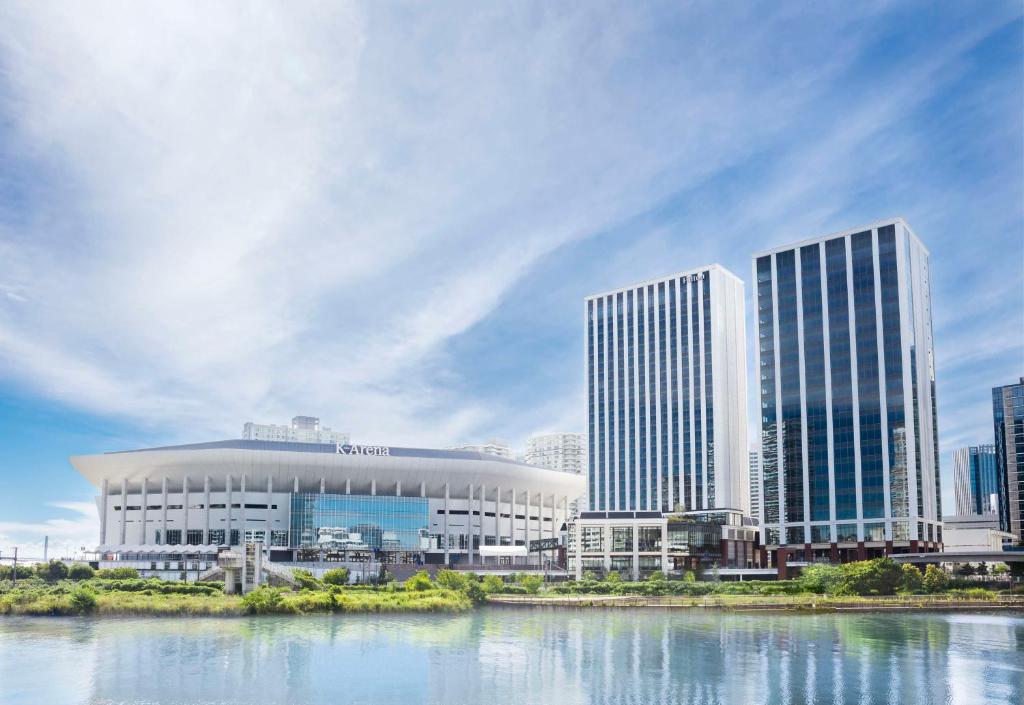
775	603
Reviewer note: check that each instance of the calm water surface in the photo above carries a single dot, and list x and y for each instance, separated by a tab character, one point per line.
518	657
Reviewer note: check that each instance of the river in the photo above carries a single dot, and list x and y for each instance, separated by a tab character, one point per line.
517	657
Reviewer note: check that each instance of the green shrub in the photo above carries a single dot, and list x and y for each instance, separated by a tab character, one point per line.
689	577
912	578
117	573
419	581
492	584
879	576
935	579
83	600
306	580
81	571
336	576
821	578
475	593
53	571
265	600
450	579
531	583
613	577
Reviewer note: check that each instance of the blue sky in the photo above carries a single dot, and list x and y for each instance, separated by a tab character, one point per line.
388	216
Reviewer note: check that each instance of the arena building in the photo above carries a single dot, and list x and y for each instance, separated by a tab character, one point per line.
167	511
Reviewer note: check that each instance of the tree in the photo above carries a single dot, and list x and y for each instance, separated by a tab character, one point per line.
336	576
879	576
613	577
52	572
912	578
532	583
965	569
982	569
820	578
1000	569
81	571
451	579
419	581
935	579
493	584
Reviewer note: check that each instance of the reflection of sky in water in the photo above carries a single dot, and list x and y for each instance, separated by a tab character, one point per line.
517	657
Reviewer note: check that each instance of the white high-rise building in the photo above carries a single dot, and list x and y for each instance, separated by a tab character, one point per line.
303	429
557	451
849	444
491	447
755	483
667	389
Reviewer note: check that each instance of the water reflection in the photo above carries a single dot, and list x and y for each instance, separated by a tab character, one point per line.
518	656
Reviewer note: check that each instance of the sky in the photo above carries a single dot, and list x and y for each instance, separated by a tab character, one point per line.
387	215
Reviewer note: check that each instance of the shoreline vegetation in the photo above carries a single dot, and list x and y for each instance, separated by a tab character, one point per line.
56	589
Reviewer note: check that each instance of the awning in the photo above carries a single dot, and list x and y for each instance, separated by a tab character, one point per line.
498	551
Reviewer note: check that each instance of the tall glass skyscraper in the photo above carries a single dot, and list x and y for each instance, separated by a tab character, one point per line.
666	395
849	447
1008	415
976	486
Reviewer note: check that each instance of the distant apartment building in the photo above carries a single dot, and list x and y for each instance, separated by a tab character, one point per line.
491	447
755	483
976	480
557	451
846	366
1008	415
303	429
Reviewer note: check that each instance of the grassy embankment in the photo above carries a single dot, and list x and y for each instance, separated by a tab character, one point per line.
131	596
877	584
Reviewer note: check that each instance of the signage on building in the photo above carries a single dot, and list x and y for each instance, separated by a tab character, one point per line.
363	450
538	545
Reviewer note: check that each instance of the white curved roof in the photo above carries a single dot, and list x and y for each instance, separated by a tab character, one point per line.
283	463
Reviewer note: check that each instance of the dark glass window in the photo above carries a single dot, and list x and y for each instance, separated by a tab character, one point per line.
843	448
869	403
816	411
709	406
769	430
888	275
791	440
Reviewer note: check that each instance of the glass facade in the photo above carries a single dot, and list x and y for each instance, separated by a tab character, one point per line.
1008	417
359	522
651	393
838	321
769	428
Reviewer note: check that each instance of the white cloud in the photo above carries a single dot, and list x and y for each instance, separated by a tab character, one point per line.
242	215
67	534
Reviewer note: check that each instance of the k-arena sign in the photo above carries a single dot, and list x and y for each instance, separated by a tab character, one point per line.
364	450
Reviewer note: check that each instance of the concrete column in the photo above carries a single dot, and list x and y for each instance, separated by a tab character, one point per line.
227	505
512	518
606	543
295	486
163	512
423	489
206	509
398	488
323	486
469	525
554	517
579	552
142	510
104	493
373	488
480	529
497	516
444	539
664	547
124	509
635	569
184	506
270	513
241	516
348	485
